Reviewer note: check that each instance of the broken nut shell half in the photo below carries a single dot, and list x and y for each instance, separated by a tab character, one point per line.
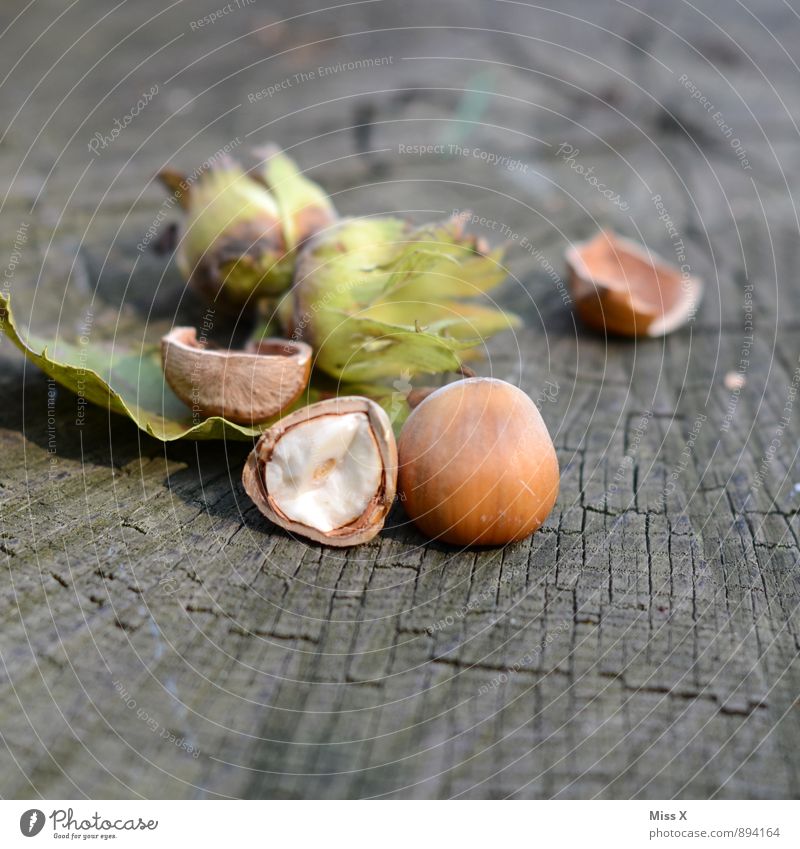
623	288
246	387
327	472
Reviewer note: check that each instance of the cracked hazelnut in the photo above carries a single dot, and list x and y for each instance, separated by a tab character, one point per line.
620	287
477	465
246	387
327	472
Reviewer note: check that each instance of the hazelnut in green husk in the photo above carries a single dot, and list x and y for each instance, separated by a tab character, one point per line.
381	297
242	228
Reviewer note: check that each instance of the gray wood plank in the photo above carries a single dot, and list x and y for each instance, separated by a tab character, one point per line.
160	639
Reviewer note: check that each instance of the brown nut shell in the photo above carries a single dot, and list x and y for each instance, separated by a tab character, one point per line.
372	519
477	465
623	288
246	387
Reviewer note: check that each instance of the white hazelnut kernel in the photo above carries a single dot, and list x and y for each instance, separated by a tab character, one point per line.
324	472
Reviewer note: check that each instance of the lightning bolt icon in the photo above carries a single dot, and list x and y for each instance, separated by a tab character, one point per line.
32	823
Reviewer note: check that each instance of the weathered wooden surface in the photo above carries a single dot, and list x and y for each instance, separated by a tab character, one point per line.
644	643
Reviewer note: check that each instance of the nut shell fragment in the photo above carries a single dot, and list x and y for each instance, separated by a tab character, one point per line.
623	288
257	478
246	387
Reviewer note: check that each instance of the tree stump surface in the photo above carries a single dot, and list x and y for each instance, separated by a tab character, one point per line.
160	639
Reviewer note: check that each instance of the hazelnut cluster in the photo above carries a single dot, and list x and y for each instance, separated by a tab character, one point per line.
475	465
364	301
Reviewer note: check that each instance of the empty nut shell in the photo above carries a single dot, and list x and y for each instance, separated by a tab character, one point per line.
246	387
327	472
620	287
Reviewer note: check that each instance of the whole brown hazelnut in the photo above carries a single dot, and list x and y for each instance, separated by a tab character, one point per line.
476	464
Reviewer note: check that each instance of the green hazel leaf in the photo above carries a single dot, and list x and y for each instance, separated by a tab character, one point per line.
394	401
243	228
128	382
349	261
132	384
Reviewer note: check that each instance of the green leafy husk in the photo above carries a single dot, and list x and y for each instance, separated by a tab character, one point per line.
377	297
